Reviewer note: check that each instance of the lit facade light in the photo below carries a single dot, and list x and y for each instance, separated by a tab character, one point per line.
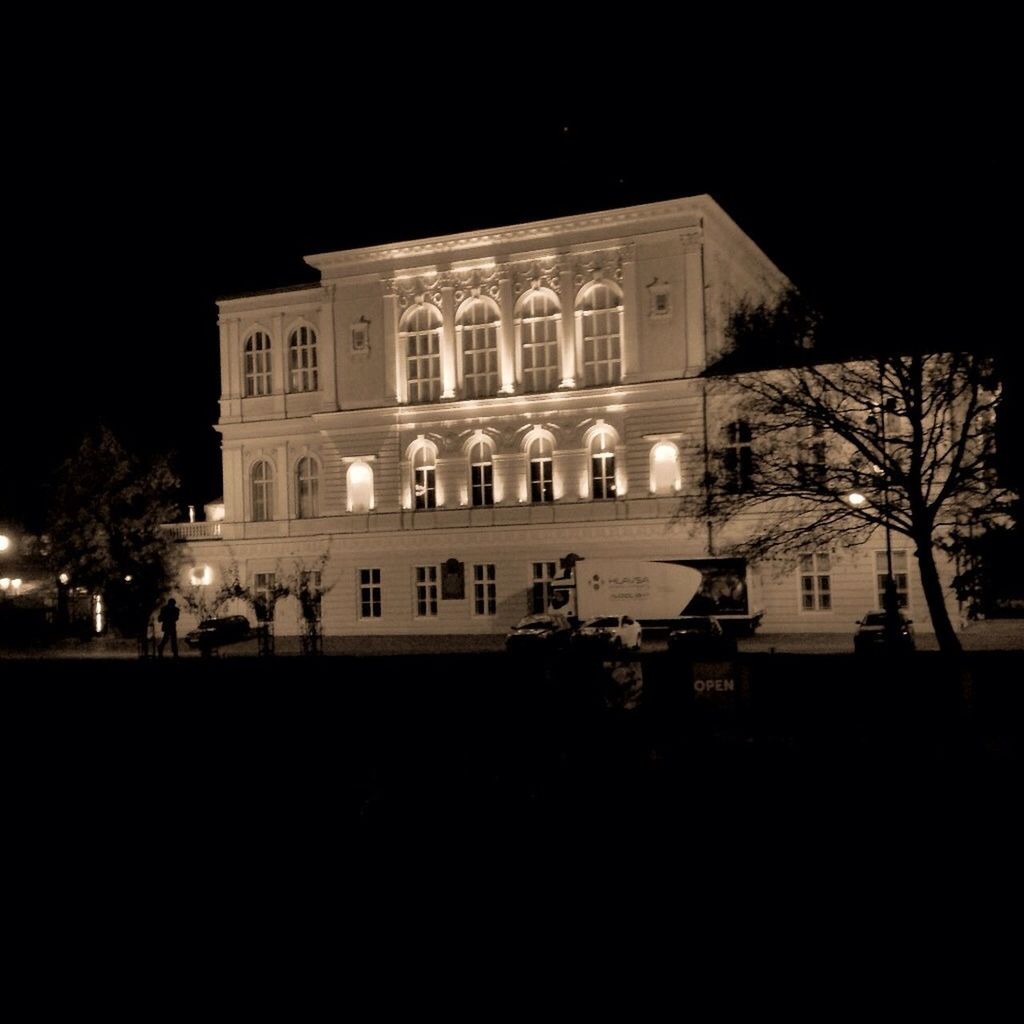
128	578
5	583
64	578
201	576
856	499
5	542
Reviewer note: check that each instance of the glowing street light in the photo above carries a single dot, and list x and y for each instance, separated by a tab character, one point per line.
5	542
856	499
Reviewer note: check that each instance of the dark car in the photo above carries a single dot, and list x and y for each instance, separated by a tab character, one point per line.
538	633
874	636
215	632
700	636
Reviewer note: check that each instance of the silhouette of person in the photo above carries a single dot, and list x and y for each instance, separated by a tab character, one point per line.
168	618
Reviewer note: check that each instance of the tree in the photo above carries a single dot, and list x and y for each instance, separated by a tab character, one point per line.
105	528
835	451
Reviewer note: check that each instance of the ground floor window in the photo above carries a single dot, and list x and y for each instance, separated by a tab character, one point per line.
263	584
370	604
900	570
311	595
540	592
485	590
426	590
816	582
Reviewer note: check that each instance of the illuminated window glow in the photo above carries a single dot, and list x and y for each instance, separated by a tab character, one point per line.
602	467
201	576
665	476
359	479
424	477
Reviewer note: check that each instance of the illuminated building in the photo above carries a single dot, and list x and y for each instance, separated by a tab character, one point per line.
437	423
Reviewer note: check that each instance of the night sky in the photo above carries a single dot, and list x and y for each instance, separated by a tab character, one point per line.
153	187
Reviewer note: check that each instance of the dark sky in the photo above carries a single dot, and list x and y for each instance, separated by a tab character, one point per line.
153	186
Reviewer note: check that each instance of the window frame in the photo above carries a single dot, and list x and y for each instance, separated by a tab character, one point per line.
311	484
900	574
527	323
257	369
302	348
425	591
467	333
543	574
485	590
541	471
370	593
424	477
428	342
820	594
481	475
603	485
610	332
265	505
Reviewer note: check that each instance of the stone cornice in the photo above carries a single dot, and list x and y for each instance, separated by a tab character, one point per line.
633	219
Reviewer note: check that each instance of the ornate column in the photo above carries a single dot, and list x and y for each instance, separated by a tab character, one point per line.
394	366
506	337
448	369
630	321
567	334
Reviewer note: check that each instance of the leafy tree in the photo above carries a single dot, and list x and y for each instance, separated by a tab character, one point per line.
104	528
835	451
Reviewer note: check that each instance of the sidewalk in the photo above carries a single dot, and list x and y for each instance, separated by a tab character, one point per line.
989	635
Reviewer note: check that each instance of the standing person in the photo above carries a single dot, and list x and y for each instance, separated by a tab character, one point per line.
169	624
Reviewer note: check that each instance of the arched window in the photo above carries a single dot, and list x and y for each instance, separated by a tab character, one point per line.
477	333
481	474
599	309
257	364
541	486
359	480
261	477
665	477
421	338
307	488
424	470
602	465
302	369
537	323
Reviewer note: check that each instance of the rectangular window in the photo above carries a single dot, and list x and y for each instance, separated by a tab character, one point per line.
482	484
263	584
900	573
541	486
426	491
540	354
310	595
816	582
812	464
602	475
370	605
423	366
540	591
485	590
739	458
426	590
480	361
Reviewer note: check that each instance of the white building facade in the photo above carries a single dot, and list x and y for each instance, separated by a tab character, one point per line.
425	434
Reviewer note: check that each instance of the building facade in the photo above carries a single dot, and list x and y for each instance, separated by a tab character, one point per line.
423	436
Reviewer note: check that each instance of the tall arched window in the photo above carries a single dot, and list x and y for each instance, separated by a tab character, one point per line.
424	471
257	364
261	478
599	309
302	368
421	338
665	477
481	474
541	482
477	333
359	481
307	488
537	319
602	465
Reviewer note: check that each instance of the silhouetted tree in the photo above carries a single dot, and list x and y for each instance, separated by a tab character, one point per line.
104	528
912	435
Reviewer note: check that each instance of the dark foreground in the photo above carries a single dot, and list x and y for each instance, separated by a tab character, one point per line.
429	745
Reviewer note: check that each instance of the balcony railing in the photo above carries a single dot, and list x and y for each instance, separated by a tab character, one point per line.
193	531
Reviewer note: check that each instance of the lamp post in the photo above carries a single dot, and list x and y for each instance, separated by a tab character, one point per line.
890	599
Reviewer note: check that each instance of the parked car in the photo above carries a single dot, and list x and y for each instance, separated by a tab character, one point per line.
538	633
614	630
873	635
215	632
700	636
